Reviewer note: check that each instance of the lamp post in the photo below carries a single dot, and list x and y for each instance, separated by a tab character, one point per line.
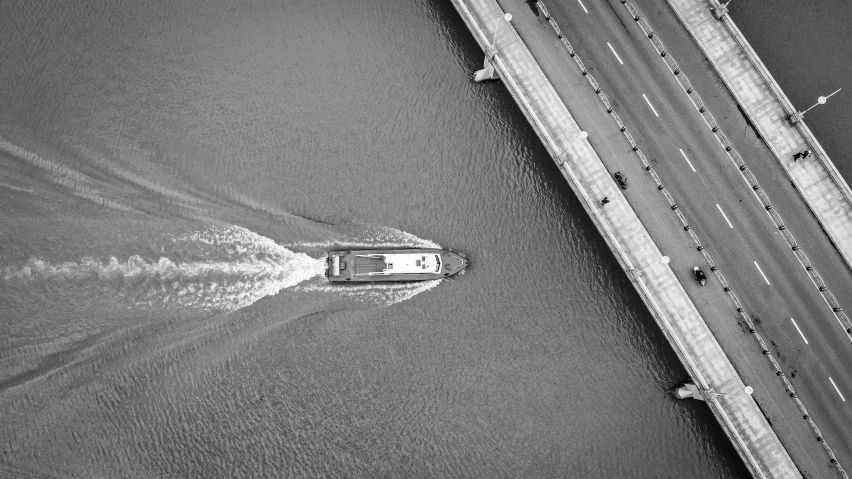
796	117
690	390
565	155
635	272
710	394
721	10
508	18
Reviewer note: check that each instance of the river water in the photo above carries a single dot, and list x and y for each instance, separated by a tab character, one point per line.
170	175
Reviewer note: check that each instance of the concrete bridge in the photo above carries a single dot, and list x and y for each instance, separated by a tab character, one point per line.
685	205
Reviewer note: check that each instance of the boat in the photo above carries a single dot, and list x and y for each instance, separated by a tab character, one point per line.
414	264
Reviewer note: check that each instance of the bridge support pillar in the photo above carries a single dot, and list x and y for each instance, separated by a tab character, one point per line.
687	391
488	71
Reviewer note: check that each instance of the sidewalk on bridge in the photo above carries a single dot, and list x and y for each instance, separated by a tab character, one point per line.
634	248
818	181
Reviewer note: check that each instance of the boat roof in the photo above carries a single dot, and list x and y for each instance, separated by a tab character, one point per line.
408	263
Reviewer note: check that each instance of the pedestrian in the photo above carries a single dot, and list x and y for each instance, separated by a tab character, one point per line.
802	154
605	200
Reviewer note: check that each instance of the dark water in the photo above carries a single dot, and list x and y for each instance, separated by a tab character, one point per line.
170	176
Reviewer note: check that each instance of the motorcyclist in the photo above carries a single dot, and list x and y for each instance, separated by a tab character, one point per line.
699	275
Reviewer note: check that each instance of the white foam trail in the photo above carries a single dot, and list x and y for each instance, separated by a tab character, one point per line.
376	236
246	267
374	293
205	285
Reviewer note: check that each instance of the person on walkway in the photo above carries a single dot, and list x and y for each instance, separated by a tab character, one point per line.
605	200
802	154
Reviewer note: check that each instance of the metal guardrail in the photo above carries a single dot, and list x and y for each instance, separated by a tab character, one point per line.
686	85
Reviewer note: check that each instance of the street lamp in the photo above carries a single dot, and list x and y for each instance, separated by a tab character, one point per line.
634	272
508	18
663	259
711	394
690	390
820	101
721	10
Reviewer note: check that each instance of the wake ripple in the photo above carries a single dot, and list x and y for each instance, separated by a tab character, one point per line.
374	294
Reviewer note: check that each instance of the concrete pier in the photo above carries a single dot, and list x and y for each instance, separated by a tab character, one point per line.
631	243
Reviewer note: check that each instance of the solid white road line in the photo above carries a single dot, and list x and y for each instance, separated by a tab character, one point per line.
726	219
649	104
838	390
687	160
761	272
799	330
613	52
584	7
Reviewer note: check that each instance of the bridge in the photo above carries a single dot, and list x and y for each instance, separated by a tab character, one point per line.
676	99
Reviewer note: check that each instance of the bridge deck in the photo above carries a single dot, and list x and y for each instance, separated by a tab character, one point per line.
634	248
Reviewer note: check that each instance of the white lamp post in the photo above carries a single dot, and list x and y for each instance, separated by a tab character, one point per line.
690	390
820	101
710	394
508	18
663	260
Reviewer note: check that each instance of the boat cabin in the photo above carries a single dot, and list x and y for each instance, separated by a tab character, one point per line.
397	263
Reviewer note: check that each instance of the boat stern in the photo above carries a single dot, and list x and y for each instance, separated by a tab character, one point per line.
336	266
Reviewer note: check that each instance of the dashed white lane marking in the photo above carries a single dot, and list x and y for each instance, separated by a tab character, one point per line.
726	219
799	330
761	272
613	52
584	7
649	104
838	390
687	160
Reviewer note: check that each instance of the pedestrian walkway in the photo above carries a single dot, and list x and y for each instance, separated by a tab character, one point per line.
689	336
823	189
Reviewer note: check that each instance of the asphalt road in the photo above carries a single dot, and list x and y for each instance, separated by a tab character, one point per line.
811	344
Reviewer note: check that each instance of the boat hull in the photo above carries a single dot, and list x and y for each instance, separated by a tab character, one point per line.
410	264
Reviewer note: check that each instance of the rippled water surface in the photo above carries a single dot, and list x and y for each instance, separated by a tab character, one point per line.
170	176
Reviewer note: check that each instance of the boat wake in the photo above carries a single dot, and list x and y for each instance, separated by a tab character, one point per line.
209	268
224	270
214	269
371	237
372	294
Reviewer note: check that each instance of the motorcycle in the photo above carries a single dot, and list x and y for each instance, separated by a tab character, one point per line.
699	275
621	180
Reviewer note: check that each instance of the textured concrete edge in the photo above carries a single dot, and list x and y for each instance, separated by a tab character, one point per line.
724	419
787	105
